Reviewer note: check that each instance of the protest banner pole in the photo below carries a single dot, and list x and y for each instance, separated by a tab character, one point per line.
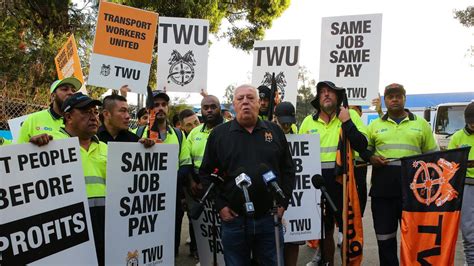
345	104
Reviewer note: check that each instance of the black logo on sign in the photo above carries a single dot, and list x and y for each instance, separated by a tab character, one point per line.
280	82
105	70
181	69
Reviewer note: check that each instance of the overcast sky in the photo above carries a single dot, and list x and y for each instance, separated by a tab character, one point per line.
423	46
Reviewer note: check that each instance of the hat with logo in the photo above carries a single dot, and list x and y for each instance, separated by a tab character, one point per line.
264	92
469	113
285	113
394	88
79	101
71	80
161	94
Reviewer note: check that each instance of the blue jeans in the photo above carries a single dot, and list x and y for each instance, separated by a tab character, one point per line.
260	240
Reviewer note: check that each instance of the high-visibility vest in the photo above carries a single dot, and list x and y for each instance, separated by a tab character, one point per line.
412	136
463	138
329	134
94	165
38	123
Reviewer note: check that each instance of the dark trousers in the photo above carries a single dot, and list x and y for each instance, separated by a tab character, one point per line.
98	228
386	213
244	236
361	182
177	230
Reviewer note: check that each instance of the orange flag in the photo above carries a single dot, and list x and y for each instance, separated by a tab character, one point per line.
432	189
352	218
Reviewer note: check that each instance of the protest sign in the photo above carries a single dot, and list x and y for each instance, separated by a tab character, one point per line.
44	213
67	61
280	57
141	202
15	125
123	47
350	55
302	219
204	230
182	54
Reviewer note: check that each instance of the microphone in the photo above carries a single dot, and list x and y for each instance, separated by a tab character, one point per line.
270	179
197	209
243	181
318	183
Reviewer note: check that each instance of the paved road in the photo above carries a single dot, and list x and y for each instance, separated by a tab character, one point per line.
306	253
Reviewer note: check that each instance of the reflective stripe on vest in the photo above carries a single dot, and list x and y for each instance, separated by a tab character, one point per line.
96	202
94	180
399	146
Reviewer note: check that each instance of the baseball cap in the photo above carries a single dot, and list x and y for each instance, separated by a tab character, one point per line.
394	87
71	80
285	113
264	92
469	113
161	94
79	100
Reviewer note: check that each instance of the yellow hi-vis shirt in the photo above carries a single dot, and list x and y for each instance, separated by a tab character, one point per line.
172	138
462	138
329	134
391	140
197	140
4	141
38	123
94	165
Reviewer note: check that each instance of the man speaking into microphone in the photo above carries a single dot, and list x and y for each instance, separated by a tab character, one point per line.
244	201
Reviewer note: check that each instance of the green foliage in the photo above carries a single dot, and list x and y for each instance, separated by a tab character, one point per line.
465	17
32	33
307	86
247	20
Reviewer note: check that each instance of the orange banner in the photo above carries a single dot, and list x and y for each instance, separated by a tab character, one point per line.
422	235
67	61
125	32
354	234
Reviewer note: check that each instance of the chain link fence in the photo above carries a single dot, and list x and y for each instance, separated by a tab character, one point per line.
13	107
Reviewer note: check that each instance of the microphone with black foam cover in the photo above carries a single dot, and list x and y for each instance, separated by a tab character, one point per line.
270	179
318	183
197	209
243	181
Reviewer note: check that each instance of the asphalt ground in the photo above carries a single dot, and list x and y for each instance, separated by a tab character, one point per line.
370	250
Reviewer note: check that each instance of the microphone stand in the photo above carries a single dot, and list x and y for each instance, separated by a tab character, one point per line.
214	234
276	224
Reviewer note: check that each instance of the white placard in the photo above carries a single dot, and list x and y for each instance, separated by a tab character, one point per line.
302	219
280	57
123	47
44	213
141	203
182	54
15	125
350	55
203	231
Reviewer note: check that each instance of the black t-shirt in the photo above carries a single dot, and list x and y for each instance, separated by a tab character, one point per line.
123	136
232	149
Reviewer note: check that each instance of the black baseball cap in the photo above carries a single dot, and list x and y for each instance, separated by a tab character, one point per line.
393	88
264	92
79	101
469	113
285	113
161	94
